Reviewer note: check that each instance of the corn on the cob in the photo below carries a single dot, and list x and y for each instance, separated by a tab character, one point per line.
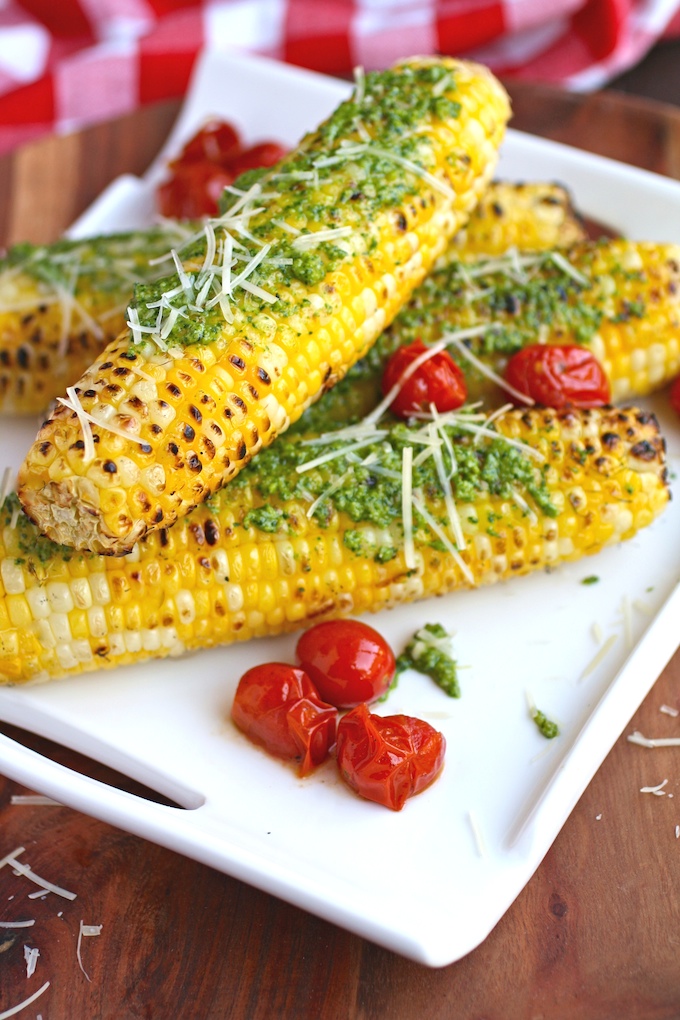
260	559
529	217
60	304
620	298
340	233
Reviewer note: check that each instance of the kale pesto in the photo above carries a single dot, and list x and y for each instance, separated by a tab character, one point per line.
29	542
431	659
367	158
371	493
548	728
99	269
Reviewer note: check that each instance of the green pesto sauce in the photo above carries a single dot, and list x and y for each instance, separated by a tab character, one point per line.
108	264
32	545
368	495
431	661
548	728
516	309
336	178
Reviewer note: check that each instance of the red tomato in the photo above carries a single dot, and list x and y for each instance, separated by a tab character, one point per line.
217	142
675	395
193	190
264	154
347	661
557	376
438	381
278	707
210	161
388	759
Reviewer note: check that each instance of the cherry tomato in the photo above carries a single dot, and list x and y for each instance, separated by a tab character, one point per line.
557	376
347	661
438	381
210	161
194	190
675	395
264	154
278	707
388	759
216	142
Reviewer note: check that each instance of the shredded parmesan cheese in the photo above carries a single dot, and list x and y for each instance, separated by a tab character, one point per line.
443	537
451	338
637	738
73	404
17	924
23	869
657	791
31	958
668	710
477	833
407	506
22	1005
86	931
599	656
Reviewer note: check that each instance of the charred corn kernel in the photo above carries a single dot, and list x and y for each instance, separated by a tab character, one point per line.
252	561
60	304
620	298
273	304
529	217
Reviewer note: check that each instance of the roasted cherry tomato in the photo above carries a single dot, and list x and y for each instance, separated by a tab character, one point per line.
558	376
216	142
278	707
438	380
347	661
388	759
193	190
210	161
675	395
264	154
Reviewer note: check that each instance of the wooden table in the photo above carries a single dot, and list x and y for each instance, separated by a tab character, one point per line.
594	936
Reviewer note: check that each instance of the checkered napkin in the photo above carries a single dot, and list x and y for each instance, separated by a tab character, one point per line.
70	63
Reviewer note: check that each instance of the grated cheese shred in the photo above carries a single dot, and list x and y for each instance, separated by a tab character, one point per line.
22	1005
22	869
86	931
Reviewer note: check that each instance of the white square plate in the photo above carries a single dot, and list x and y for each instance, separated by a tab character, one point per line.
313	842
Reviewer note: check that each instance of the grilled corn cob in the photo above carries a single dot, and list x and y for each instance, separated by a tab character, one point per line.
260	558
60	304
629	316
619	298
340	233
529	217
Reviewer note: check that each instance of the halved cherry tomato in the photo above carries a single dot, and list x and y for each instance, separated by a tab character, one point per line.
675	395
348	661
559	375
438	380
278	707
388	759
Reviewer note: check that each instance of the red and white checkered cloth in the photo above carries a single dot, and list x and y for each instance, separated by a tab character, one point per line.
70	63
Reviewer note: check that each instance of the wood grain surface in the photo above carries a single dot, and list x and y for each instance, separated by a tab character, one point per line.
594	936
